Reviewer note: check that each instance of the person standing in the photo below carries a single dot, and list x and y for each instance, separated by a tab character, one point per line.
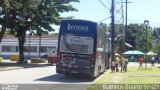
152	61
141	60
125	64
117	63
113	66
121	63
159	60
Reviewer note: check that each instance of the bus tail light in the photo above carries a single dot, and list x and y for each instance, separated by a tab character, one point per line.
92	59
58	56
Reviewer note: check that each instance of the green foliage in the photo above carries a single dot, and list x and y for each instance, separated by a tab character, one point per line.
1	59
132	76
20	16
140	37
38	60
156	33
136	35
156	48
105	27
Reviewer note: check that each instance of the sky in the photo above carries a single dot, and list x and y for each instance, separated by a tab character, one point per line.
138	11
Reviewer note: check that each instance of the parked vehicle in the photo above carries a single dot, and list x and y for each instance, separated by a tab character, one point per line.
82	48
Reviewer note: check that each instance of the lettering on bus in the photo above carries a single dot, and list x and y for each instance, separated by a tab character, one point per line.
76	40
77	27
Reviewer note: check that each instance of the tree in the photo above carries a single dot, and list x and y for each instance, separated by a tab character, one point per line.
20	16
4	19
156	42
104	26
118	35
131	34
156	33
136	36
119	29
156	48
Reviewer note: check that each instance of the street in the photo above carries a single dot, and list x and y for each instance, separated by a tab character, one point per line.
46	78
38	78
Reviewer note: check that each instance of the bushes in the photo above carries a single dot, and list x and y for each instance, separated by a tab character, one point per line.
38	60
1	59
14	57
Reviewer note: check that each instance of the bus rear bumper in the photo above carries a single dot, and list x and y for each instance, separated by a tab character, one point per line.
64	70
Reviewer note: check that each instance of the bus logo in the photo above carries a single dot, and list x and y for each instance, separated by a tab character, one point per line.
77	27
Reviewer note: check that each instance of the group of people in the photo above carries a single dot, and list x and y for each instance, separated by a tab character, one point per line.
122	62
119	61
152	60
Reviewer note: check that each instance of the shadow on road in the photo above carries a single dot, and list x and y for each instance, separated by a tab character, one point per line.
74	78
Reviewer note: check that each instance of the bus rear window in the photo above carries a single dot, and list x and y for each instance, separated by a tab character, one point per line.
76	44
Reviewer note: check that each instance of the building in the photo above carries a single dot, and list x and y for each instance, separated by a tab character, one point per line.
35	46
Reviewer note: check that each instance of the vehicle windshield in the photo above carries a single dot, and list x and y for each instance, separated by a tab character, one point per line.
76	44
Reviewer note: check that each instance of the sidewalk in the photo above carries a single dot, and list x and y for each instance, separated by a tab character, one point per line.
12	65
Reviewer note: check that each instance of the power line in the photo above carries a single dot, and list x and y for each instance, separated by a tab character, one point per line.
103	4
105	19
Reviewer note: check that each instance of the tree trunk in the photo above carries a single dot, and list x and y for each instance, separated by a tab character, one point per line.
21	39
2	33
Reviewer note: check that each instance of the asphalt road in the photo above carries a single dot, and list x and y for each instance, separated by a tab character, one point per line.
42	78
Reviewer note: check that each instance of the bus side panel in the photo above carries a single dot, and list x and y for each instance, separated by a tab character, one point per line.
101	62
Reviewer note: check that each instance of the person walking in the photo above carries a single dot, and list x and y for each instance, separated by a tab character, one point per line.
141	60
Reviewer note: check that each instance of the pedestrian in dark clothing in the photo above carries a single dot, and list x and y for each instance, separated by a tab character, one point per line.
125	64
152	61
159	60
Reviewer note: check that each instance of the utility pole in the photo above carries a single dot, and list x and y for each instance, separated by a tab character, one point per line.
124	32
126	14
112	30
146	23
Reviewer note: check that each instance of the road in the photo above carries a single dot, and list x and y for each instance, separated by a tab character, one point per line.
46	77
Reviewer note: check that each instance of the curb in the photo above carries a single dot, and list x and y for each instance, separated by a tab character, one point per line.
104	73
7	68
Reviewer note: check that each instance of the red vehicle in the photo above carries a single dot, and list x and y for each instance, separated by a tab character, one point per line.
52	56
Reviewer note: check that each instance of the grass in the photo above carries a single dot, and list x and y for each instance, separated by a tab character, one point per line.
151	75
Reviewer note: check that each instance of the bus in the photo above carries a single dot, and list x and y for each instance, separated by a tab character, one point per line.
82	48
